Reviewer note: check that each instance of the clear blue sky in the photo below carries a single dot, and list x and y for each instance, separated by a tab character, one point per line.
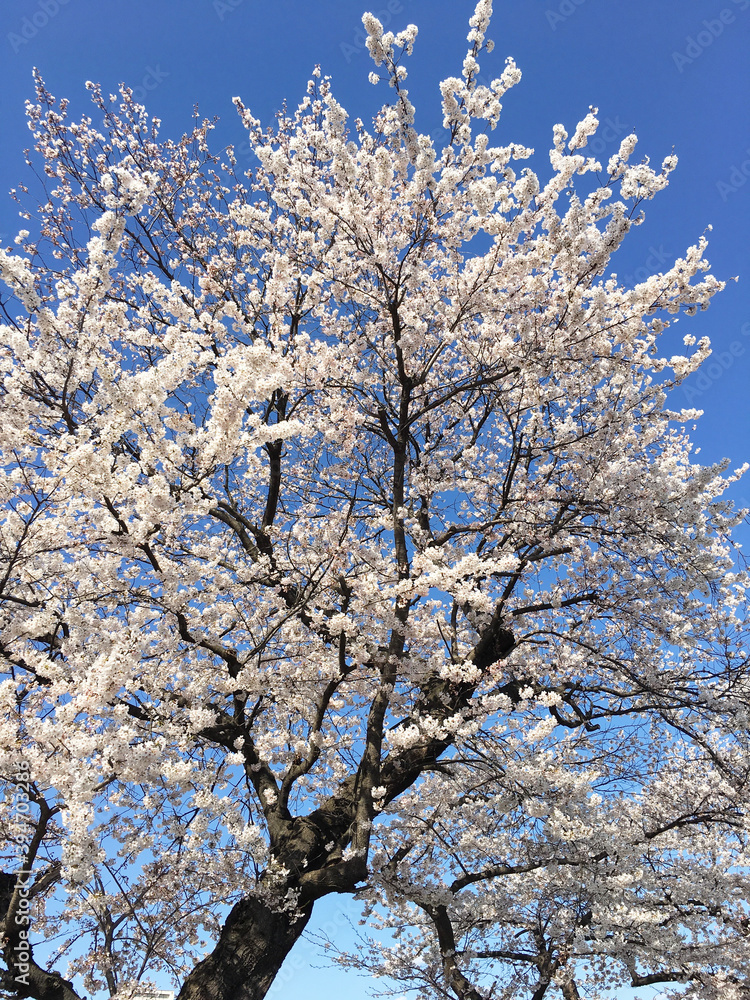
676	73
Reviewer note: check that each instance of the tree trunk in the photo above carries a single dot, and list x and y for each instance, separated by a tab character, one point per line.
252	947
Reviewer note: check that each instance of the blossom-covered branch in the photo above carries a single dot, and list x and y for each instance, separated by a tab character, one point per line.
349	545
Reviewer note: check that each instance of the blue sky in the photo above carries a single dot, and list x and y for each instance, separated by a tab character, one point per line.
676	73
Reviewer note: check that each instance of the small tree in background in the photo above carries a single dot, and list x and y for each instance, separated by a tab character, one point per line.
349	545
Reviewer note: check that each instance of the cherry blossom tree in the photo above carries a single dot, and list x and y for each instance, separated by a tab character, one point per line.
350	546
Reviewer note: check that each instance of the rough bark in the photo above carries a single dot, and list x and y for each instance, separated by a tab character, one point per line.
22	977
256	939
30	980
253	944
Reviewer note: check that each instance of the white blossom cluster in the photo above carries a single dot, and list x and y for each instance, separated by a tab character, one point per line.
345	551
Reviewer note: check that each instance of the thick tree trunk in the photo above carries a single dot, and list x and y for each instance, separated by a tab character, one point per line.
256	939
253	944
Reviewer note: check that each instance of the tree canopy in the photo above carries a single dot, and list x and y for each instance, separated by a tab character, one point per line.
350	545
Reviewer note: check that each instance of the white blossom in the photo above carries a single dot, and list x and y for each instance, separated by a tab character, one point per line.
350	543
